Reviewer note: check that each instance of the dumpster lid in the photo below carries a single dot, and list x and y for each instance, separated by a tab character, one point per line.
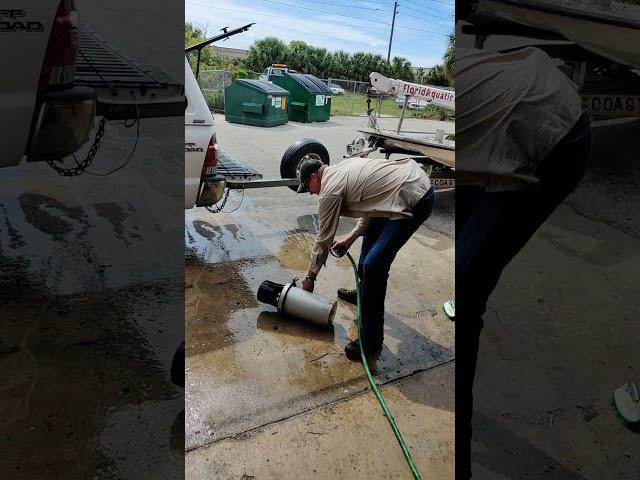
310	83
263	86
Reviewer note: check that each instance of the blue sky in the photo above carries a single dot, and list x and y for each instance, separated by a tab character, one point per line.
326	23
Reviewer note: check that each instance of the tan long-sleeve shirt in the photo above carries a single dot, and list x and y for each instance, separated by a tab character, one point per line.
512	109
365	188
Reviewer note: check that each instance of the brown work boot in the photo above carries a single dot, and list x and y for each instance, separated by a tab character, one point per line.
352	350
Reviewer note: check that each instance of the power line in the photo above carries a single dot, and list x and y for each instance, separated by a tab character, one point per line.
367	1
411	15
265	14
437	1
356	18
319	21
320	11
422	30
422	12
345	5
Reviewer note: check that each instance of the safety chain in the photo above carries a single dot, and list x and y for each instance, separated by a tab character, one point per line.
218	209
84	164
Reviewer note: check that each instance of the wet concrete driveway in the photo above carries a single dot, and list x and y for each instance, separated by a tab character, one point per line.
91	315
249	367
561	333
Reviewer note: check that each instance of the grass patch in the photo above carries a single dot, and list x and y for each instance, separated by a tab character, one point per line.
357	105
351	104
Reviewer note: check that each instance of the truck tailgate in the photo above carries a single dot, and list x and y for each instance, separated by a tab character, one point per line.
234	170
126	89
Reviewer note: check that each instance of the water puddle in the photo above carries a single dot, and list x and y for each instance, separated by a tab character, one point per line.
52	341
248	364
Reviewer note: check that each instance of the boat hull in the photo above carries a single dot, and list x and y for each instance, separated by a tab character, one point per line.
609	35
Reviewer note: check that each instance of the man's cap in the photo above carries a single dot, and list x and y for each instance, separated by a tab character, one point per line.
308	167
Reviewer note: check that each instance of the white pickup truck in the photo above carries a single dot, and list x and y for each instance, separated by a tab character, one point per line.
202	186
275	70
65	77
43	113
210	171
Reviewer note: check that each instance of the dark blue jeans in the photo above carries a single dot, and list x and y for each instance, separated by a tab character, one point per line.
382	241
491	228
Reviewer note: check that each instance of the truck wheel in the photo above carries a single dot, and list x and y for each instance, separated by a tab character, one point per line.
302	149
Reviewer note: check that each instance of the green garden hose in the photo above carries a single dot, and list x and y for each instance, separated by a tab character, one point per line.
374	387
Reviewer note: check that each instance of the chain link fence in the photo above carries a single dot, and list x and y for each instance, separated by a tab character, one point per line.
349	97
347	87
212	83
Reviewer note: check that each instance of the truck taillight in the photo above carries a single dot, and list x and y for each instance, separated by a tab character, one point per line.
210	158
62	51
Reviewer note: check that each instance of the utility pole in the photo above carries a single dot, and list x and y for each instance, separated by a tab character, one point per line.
393	22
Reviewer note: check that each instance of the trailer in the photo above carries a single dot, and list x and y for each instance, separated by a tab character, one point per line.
432	149
596	43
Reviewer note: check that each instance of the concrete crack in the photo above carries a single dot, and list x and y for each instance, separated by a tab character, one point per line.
247	433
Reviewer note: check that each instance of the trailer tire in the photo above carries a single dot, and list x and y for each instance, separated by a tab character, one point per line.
304	148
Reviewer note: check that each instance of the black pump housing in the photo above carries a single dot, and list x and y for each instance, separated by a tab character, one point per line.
269	292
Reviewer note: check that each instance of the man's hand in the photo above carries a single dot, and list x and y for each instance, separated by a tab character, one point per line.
340	246
308	284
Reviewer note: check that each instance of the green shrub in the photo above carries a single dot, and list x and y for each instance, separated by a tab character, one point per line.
215	100
432	112
243	73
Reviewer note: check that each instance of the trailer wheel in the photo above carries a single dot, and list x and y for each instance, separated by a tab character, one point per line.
301	150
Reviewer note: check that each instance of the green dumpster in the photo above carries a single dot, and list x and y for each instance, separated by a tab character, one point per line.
254	102
310	99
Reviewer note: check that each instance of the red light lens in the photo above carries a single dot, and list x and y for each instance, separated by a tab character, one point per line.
211	158
60	61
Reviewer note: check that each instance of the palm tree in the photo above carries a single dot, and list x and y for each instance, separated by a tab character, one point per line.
319	62
380	64
407	71
401	68
358	66
340	64
265	52
300	56
297	56
437	77
449	59
396	66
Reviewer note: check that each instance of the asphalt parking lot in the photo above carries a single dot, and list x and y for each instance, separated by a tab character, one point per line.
262	149
256	379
